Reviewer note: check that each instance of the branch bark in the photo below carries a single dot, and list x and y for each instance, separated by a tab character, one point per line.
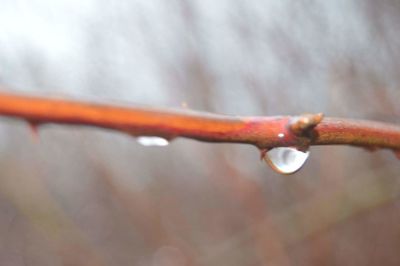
263	132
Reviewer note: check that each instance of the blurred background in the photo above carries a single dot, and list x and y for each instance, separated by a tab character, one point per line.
88	196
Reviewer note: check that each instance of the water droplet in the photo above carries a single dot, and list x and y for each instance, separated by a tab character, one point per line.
281	135
286	160
152	141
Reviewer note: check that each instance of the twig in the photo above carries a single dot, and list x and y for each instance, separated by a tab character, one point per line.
263	132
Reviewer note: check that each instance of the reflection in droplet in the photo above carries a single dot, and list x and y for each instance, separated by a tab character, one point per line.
152	141
286	160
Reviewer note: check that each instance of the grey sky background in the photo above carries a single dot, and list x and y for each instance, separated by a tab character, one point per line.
157	52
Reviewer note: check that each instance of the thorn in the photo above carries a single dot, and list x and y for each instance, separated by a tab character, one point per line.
263	153
302	125
397	153
34	127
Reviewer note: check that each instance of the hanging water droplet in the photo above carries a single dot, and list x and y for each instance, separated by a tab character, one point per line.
286	160
152	141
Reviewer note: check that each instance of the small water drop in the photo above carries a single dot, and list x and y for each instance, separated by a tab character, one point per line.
281	135
286	160
152	141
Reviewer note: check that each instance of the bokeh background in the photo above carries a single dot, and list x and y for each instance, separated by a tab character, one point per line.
88	196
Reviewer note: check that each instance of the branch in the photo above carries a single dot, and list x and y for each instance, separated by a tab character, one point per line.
263	132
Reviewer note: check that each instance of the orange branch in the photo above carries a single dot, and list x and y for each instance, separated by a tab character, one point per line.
263	132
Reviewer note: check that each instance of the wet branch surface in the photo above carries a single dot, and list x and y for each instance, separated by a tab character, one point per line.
263	132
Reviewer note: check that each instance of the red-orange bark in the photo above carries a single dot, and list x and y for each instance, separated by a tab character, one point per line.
264	132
